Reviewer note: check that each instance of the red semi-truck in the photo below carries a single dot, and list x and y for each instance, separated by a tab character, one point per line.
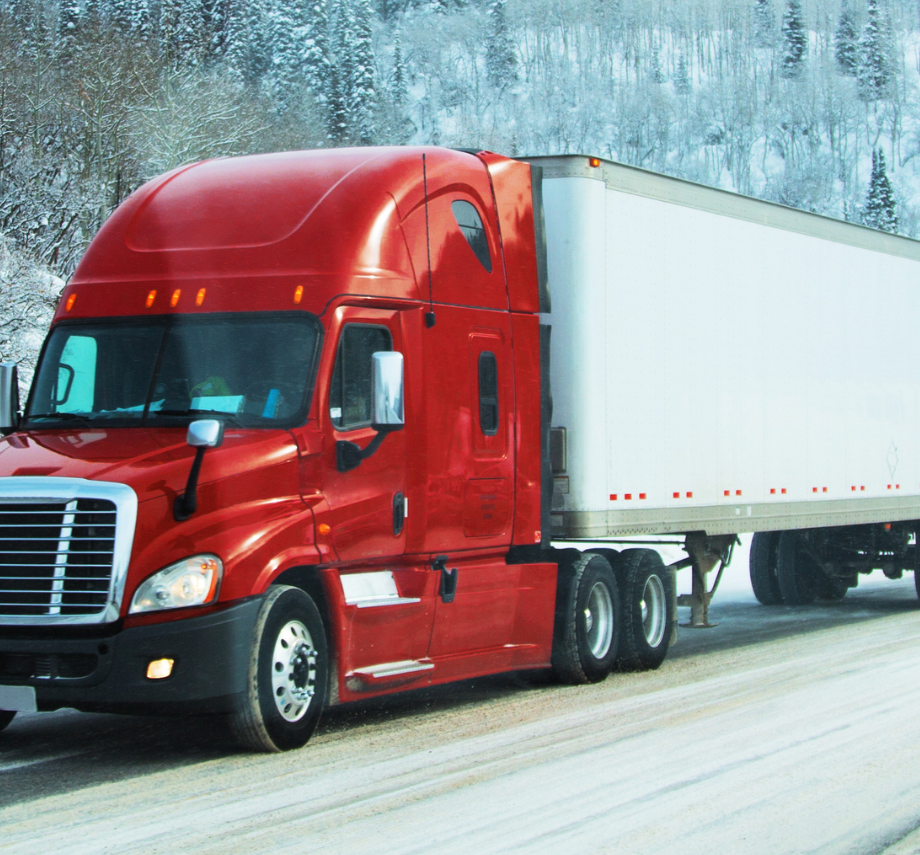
290	439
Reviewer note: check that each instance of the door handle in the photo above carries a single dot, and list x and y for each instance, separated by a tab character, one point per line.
448	585
399	514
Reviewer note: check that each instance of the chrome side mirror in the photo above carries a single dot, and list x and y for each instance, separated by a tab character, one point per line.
387	411
9	397
202	435
205	433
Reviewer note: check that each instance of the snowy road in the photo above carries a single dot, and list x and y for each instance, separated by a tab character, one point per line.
783	730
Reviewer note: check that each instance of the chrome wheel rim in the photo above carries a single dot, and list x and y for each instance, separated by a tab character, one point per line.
599	620
653	607
293	671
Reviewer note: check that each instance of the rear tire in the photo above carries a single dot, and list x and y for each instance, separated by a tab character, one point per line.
6	716
798	578
763	568
288	674
832	589
647	620
586	629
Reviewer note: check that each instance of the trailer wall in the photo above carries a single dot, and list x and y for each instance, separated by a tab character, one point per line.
725	364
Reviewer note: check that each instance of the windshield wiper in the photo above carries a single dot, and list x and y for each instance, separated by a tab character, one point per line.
61	417
217	414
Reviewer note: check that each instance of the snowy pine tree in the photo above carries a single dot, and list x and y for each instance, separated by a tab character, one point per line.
795	39
501	60
880	210
286	71
875	70
68	32
846	47
682	82
363	87
400	75
764	23
317	60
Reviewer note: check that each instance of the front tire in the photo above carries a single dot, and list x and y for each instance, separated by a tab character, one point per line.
587	626
648	622
288	674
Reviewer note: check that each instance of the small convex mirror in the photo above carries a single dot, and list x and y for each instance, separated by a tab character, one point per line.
205	433
387	391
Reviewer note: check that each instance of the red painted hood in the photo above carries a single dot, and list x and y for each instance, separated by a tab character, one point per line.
153	461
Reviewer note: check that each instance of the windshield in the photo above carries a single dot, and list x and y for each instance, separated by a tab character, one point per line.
253	370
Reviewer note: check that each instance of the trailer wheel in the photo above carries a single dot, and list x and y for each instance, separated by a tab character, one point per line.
288	673
6	716
646	616
795	571
763	568
831	589
586	629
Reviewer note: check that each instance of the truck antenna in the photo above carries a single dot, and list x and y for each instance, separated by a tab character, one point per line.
429	315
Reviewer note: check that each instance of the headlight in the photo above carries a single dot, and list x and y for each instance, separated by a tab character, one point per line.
192	582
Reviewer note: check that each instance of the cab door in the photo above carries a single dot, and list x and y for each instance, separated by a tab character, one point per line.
387	598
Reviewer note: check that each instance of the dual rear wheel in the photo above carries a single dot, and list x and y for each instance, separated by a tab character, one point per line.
612	612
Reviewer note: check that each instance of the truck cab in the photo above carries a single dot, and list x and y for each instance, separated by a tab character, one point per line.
226	495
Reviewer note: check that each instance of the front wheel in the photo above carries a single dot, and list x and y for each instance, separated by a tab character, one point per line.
648	623
288	673
586	629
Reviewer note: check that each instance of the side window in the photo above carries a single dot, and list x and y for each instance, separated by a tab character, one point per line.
350	393
470	223
488	393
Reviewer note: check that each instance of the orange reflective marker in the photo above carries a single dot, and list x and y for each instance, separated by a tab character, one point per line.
199	297
150	298
70	301
298	294
175	298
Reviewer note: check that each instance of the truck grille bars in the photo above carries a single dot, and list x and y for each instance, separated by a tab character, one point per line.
64	549
56	559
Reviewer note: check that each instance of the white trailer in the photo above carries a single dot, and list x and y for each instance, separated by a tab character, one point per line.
722	364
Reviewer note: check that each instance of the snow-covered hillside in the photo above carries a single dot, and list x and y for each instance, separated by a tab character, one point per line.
797	101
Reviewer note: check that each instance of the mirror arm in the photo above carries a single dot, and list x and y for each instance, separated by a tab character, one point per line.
187	503
349	455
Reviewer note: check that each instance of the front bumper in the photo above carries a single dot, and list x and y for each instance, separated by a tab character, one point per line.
108	673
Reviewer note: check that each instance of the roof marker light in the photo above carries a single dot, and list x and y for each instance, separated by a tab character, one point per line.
174	300
150	298
594	162
298	294
70	301
199	297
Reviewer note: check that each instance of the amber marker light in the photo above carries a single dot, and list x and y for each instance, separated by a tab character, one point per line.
160	669
324	528
298	294
199	297
151	296
174	300
70	301
594	162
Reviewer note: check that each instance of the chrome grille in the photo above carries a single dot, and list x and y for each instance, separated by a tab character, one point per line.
56	557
